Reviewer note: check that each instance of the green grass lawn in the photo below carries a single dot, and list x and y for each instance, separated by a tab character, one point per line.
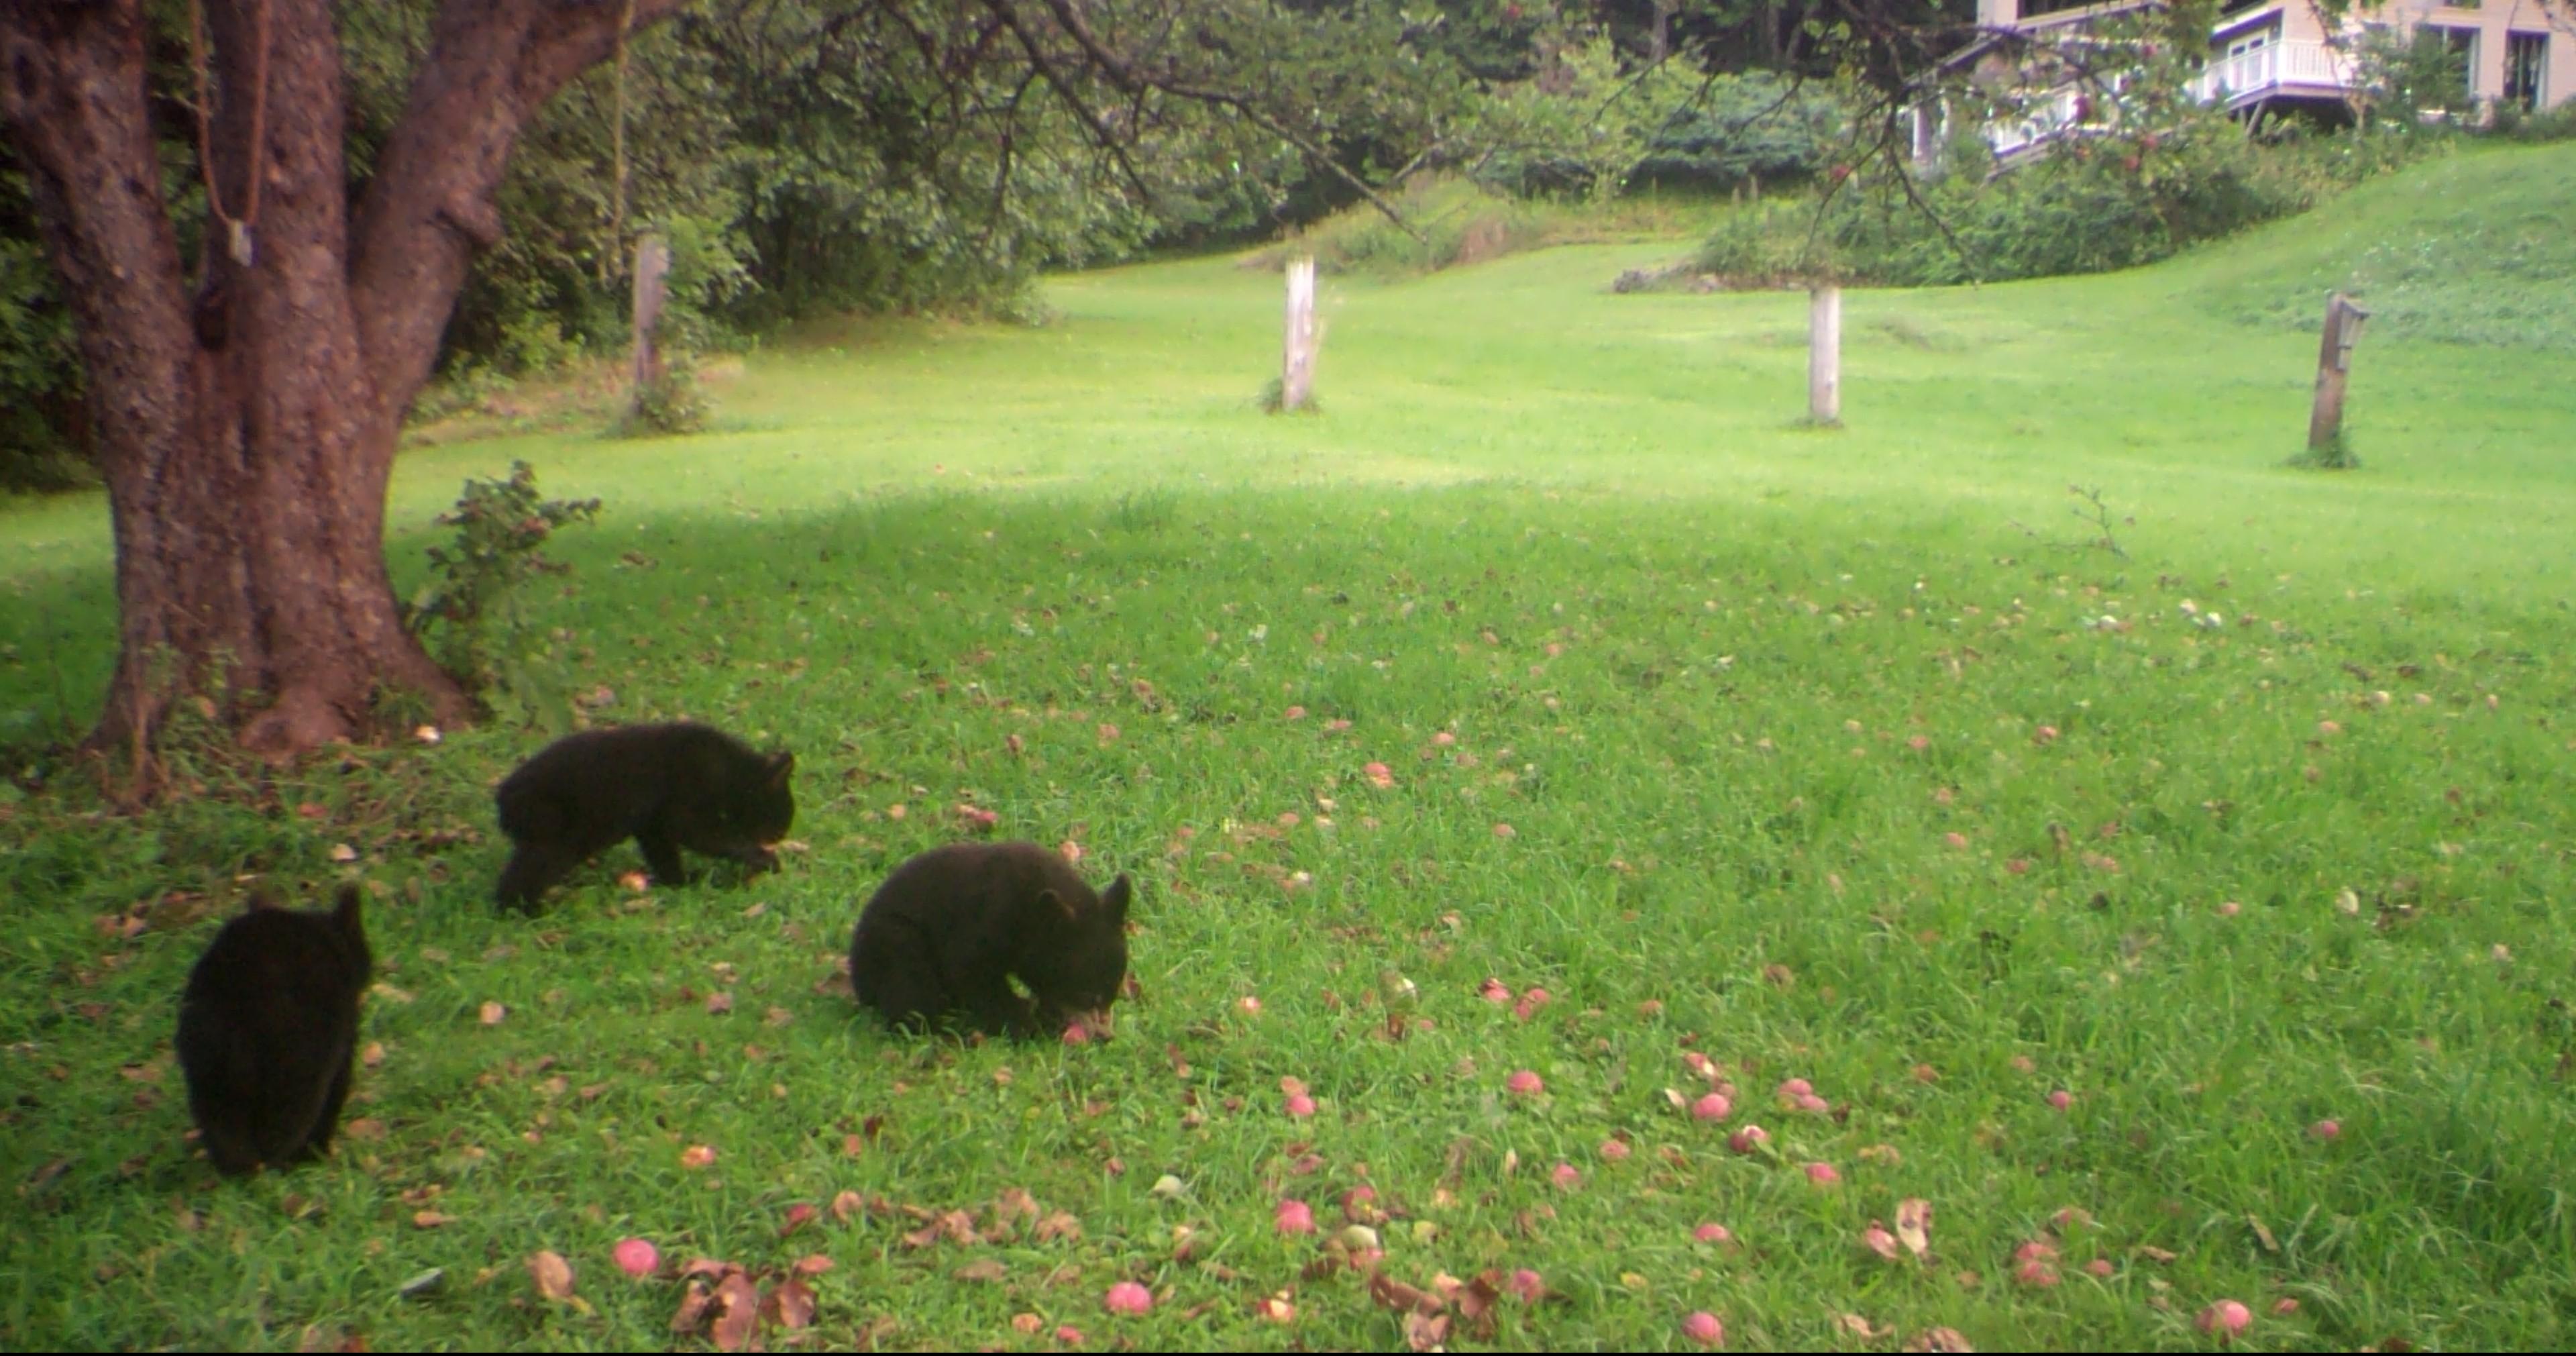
1835	756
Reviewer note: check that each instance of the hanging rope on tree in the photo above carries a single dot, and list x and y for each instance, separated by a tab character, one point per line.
617	200
237	230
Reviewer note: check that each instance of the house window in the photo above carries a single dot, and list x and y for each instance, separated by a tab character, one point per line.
2463	43
2526	57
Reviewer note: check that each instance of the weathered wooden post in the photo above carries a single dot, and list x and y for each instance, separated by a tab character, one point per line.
1824	355
652	273
1297	364
2343	326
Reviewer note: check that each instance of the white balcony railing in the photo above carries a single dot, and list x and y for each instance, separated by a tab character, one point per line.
2251	75
2039	122
2229	81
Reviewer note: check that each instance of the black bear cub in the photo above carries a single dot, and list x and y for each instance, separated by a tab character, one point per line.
946	933
667	787
268	1030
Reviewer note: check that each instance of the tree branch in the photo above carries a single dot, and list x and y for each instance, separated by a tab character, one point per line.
1127	76
1109	140
491	65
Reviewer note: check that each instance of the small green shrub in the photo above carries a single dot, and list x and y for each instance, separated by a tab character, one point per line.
1274	399
2336	455
2555	124
469	614
671	403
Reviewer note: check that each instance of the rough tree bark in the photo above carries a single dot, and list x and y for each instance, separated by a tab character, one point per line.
246	423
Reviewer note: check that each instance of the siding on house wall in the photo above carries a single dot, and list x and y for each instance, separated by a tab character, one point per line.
2492	20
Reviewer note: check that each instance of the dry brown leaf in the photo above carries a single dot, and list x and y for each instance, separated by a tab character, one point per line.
1863	1329
1426	1332
1914	1225
1476	1302
791	1304
493	1013
1939	1339
2154	1254
1059	1225
1026	1324
812	1264
719	1003
1012	1206
954	1225
1395	1294
693	1309
431	1219
984	1269
847	1206
551	1272
737	1312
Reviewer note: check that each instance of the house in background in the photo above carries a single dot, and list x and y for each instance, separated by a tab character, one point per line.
2287	56
2274	55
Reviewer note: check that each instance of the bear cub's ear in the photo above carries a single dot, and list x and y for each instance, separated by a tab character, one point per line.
344	910
781	764
1115	898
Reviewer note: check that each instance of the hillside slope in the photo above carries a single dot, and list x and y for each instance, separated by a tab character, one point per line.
2475	248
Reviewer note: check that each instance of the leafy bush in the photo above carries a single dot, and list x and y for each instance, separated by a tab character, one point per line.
2554	124
2405	79
671	403
2087	205
1750	128
469	613
2142	171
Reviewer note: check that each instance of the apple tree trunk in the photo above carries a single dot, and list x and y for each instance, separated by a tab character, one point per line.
245	415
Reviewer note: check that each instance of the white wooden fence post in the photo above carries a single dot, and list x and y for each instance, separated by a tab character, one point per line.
1825	354
1297	364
